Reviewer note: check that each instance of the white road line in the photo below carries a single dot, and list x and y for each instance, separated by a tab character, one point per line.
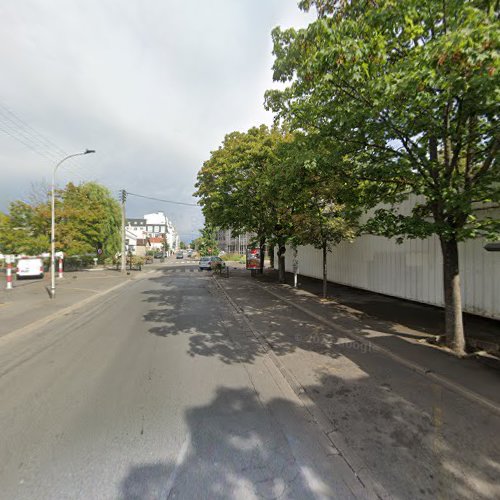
181	456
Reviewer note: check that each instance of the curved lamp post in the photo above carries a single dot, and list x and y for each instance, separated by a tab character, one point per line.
53	223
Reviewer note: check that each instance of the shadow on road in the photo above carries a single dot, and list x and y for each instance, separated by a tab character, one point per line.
234	449
418	439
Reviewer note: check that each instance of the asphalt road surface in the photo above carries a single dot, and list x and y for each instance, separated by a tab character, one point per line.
129	399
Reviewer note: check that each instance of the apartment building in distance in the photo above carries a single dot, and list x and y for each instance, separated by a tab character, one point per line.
229	243
149	232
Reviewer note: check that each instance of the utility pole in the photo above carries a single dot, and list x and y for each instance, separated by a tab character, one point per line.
123	197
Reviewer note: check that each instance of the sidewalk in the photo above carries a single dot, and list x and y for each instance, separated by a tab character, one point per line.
29	302
398	326
423	422
411	320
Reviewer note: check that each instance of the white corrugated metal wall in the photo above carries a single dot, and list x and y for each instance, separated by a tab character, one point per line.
412	270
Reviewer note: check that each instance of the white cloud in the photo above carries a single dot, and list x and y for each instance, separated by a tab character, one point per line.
153	86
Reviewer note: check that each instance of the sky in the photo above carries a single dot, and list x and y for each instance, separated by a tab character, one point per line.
152	85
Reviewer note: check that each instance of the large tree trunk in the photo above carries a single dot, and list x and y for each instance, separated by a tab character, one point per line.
281	264
262	255
452	297
325	271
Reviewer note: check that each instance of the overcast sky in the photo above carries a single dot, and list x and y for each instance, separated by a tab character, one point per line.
152	85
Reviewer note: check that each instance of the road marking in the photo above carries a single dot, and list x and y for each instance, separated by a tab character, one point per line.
181	456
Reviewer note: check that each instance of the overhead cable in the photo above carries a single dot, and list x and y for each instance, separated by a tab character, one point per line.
161	199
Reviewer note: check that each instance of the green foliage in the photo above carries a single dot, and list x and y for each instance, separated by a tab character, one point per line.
404	97
25	230
85	215
323	211
206	244
182	245
237	186
75	262
233	257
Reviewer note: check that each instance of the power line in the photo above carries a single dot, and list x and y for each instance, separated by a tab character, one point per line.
165	201
17	128
21	131
26	129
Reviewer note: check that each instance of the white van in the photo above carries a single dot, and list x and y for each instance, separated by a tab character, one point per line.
31	267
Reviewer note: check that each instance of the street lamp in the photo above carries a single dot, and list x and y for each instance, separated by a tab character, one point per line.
53	223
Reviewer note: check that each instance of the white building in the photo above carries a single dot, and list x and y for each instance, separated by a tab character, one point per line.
412	270
155	225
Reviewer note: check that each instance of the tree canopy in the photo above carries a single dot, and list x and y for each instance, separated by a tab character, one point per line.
86	215
406	94
405	97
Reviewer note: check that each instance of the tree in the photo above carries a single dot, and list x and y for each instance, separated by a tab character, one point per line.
237	189
86	216
324	209
182	245
166	246
25	229
406	95
206	244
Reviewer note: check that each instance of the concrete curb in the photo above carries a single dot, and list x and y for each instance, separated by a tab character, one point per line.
422	370
371	488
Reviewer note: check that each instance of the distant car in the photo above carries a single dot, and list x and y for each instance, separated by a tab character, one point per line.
158	255
190	253
207	262
29	267
179	255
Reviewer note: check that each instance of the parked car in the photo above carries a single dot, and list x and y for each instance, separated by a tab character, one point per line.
207	263
158	255
179	255
29	267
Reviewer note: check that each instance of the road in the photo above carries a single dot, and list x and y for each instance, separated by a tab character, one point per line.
157	390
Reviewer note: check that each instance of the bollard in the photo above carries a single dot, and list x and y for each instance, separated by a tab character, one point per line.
60	267
9	272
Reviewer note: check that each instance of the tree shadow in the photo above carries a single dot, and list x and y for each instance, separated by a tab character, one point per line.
408	318
417	443
145	482
200	313
419	439
203	315
388	414
234	448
